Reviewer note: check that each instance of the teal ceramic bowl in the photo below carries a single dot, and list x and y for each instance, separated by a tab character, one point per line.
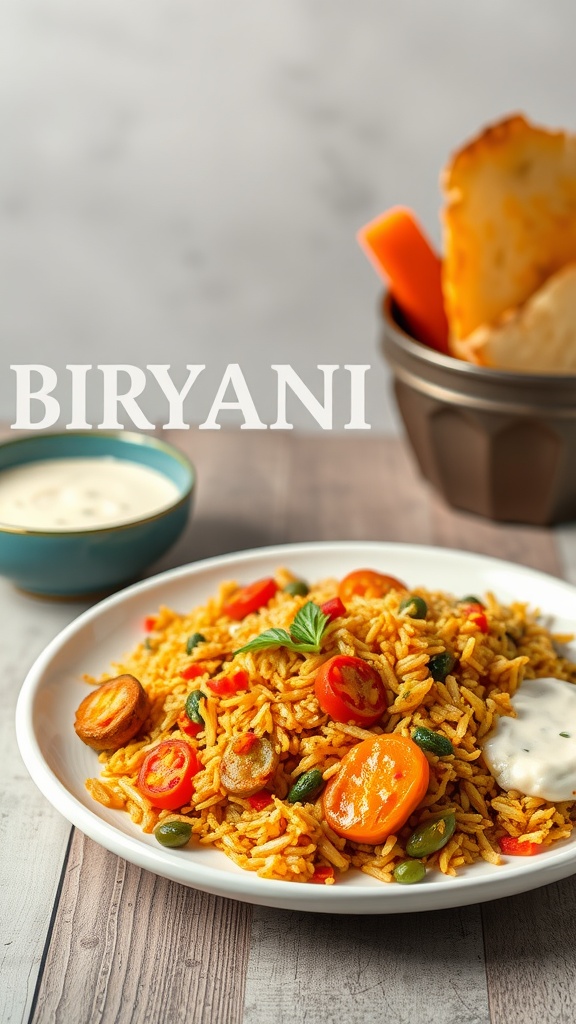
54	563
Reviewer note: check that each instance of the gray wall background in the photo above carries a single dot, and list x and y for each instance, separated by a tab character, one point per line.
182	180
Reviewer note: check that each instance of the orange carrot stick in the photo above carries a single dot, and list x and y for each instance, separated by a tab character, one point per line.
380	782
401	253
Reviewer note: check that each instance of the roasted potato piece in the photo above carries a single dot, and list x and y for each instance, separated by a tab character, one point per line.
113	714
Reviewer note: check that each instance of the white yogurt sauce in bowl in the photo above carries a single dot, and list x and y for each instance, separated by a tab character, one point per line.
535	752
92	493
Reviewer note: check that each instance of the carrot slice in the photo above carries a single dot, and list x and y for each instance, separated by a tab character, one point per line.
401	253
380	782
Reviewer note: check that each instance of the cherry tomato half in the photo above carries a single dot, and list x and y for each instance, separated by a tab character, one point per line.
165	778
350	690
367	583
251	598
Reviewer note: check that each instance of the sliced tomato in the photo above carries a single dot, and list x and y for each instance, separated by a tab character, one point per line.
368	583
251	598
334	609
165	778
515	848
350	690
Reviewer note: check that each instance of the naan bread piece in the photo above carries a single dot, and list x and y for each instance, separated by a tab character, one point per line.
509	219
538	337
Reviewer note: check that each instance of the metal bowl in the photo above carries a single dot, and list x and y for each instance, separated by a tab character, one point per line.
496	443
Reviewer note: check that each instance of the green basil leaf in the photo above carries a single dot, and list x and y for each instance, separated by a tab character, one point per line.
309	624
271	638
305	635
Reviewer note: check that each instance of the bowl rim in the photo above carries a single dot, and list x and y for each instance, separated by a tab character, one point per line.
129	436
419	350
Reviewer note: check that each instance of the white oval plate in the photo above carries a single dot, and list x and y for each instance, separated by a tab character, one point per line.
59	763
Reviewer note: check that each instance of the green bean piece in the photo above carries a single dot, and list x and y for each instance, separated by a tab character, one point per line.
191	707
433	741
409	871
440	665
173	833
306	787
297	588
432	835
193	641
414	606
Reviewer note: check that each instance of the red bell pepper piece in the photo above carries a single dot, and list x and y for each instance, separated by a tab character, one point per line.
187	726
229	685
477	615
322	873
193	671
514	848
334	608
258	801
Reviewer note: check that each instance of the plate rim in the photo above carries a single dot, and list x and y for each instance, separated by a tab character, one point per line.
247	886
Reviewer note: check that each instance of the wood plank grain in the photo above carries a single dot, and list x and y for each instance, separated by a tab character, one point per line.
29	869
130	946
240	499
527	545
531	955
325	969
354	489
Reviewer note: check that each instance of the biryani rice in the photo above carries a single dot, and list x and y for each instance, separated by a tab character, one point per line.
289	841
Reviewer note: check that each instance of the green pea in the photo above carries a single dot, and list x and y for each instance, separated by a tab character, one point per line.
306	787
440	665
471	599
432	835
191	706
433	741
193	641
414	606
173	833
297	588
409	871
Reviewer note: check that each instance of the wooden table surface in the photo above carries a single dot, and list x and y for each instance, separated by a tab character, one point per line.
89	938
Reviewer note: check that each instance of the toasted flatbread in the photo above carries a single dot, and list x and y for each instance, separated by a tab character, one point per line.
538	337
509	219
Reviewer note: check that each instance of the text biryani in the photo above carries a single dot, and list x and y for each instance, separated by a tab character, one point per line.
349	735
